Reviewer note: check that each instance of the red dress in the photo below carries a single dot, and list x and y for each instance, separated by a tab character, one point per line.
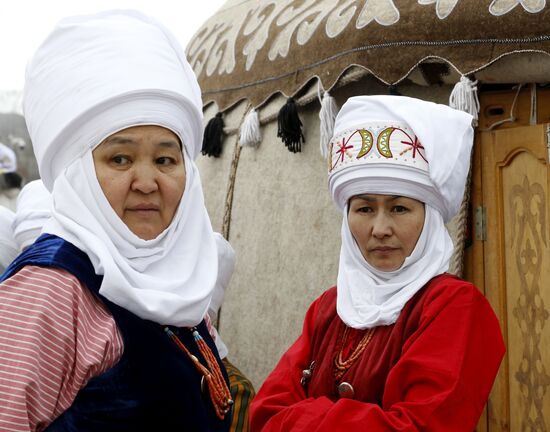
430	371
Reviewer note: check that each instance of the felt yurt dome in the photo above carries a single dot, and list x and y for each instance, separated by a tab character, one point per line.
273	74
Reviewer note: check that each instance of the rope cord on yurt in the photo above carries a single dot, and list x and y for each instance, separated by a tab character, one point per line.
228	206
226	224
456	264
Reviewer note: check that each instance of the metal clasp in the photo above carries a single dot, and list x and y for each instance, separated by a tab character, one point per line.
307	374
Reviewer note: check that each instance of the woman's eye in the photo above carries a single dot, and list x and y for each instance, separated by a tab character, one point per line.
165	160
399	209
364	210
120	160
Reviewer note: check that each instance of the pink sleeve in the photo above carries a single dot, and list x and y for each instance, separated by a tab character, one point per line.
54	336
441	382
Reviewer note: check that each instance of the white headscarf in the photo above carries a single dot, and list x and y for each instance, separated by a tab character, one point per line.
34	209
8	246
94	76
226	266
402	146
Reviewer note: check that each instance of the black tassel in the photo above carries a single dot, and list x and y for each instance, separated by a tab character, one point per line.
290	127
213	136
392	90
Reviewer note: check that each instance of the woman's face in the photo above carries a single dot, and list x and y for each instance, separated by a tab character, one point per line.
386	228
142	174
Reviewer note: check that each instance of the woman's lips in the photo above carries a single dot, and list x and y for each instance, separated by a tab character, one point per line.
144	210
143	207
383	249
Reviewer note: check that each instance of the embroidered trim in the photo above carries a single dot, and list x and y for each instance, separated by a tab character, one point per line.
396	144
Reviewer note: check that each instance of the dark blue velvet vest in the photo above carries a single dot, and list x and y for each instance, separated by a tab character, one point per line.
154	386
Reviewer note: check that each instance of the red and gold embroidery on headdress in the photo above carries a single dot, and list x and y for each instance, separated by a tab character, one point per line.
394	145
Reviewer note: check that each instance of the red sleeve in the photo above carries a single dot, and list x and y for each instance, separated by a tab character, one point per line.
440	383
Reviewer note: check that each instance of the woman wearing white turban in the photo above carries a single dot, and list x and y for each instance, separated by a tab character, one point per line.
398	344
105	310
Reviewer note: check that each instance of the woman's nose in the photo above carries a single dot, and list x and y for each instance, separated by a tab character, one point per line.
145	178
381	226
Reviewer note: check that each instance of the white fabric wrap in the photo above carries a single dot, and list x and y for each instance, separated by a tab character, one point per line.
8	246
93	76
226	266
34	208
169	279
366	296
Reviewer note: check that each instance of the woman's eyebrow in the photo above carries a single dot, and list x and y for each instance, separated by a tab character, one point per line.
127	140
119	140
371	198
170	144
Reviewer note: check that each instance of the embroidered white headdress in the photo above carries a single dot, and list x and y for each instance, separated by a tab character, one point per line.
394	145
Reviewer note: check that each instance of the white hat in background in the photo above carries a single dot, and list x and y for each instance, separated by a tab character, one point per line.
34	208
8	246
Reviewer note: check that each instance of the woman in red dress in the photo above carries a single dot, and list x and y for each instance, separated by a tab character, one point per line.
399	344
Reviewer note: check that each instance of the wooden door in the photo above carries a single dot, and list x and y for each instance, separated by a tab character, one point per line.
512	179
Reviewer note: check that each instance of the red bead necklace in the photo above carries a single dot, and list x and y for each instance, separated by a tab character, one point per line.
217	387
341	365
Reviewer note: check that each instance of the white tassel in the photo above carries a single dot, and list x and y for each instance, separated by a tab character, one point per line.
250	130
327	116
464	97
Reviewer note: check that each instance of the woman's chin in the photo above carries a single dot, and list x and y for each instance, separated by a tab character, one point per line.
385	266
145	233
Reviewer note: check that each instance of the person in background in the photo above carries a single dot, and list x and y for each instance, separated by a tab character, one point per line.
399	344
102	318
11	181
34	208
20	229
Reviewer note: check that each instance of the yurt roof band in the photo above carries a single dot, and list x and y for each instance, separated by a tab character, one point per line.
254	49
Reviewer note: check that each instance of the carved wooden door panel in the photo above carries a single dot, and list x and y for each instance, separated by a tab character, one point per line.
515	178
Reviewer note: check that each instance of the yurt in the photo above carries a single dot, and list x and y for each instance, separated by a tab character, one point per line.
273	74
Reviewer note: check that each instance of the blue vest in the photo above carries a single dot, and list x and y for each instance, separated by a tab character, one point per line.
154	387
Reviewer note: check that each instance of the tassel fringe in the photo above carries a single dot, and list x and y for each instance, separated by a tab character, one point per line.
464	97
250	134
290	127
213	136
392	90
327	116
